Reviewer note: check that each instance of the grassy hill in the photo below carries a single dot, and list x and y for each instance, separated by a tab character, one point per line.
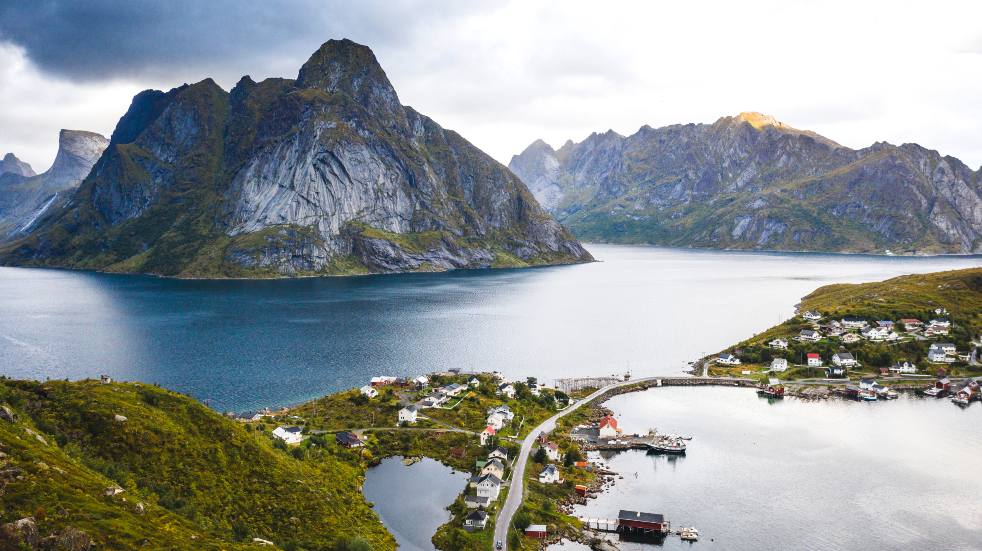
191	477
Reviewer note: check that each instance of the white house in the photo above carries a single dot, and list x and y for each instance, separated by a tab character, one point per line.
477	520
843	359
935	330
453	389
780	344
496	420
835	371
812	315
495	467
937	355
552	450
408	414
939	323
850	322
474	382
489	486
850	338
947	347
549	475
534	389
487	434
814	360
779	364
809	335
608	427
290	435
504	410
903	368
728	359
474	502
507	390
499	453
369	391
422	381
879	334
867	383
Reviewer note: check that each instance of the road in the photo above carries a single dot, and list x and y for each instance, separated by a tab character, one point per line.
517	490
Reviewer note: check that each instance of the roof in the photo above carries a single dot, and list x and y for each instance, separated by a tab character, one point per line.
608	421
478	515
495	461
813	355
411	408
477	499
844	356
639	516
536	528
490	430
291	430
490	478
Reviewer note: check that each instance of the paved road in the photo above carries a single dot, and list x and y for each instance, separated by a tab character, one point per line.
517	489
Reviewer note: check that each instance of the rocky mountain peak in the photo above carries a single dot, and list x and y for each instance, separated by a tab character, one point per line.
11	164
78	150
759	120
346	67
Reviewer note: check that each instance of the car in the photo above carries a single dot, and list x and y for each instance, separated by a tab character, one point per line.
497	544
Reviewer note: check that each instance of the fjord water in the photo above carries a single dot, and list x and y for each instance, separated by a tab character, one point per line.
792	474
241	345
412	500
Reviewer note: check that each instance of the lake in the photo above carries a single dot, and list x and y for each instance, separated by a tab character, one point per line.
241	345
791	474
412	500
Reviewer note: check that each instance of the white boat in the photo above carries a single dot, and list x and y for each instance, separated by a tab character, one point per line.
689	534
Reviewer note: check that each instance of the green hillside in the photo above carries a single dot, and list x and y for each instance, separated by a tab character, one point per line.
192	479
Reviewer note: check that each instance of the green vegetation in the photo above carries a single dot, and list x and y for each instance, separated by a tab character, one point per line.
192	478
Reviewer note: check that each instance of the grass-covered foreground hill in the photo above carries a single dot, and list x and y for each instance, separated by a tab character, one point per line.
185	476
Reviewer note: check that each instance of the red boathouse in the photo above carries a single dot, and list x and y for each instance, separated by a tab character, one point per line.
635	522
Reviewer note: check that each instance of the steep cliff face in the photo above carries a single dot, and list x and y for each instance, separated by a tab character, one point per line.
752	182
328	173
25	198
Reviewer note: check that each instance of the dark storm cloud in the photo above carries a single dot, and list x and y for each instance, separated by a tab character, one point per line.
99	39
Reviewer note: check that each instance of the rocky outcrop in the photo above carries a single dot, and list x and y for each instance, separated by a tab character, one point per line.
19	534
27	198
751	181
10	164
325	174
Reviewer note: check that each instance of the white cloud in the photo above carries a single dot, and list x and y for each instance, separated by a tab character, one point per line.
504	74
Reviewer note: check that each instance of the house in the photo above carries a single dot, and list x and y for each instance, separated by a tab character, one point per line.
867	383
779	364
835	371
843	359
537	531
552	450
496	420
728	359
106	379
534	389
506	389
476	502
369	391
290	435
246	416
940	323
851	322
504	410
812	315
474	382
935	330
499	453
348	440
912	324
947	347
809	335
453	389
850	338
635	521
495	467
814	360
904	367
487	435
608	427
938	354
421	382
885	323
879	334
382	381
476	520
549	475
408	414
489	486
780	344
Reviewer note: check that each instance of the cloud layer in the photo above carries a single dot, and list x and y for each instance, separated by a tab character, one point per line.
506	73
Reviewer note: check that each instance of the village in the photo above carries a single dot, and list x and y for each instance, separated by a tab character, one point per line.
830	351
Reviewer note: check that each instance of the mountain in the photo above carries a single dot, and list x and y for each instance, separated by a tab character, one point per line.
26	197
325	174
752	182
12	165
185	476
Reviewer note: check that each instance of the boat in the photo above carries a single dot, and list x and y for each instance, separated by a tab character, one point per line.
670	445
934	392
689	534
891	394
960	399
867	394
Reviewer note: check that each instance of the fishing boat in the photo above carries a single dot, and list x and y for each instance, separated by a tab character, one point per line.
960	399
689	534
670	445
867	394
933	392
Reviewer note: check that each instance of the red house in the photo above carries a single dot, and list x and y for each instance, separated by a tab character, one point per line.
580	489
537	531
637	522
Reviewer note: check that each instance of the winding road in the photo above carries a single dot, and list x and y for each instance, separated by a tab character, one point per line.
516	493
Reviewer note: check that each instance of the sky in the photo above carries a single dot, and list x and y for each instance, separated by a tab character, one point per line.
505	73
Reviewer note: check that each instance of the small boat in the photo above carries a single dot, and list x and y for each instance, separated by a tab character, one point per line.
689	534
891	394
867	394
960	399
668	445
934	392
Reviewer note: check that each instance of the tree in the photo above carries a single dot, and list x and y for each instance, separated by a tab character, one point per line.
358	544
522	520
540	455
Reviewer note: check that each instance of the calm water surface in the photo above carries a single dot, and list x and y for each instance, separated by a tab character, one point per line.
803	475
246	344
412	501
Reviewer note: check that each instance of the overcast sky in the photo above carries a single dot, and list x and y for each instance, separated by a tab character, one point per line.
506	73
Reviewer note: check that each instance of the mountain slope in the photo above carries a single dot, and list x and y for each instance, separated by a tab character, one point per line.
752	182
26	197
325	174
192	479
10	164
